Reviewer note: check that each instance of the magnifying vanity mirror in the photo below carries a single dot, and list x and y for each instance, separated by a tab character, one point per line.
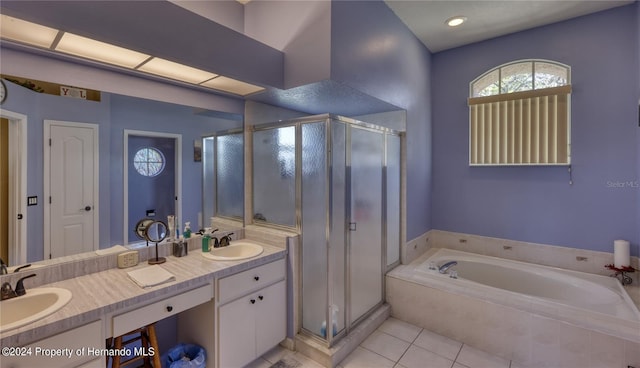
155	232
141	228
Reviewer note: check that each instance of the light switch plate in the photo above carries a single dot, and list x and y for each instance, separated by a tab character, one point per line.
127	259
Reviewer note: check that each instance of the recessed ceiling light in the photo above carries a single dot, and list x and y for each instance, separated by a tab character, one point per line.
455	21
30	33
100	51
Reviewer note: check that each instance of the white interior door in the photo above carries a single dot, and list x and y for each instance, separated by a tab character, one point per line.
17	187
73	194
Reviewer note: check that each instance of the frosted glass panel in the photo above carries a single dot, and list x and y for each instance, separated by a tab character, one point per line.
314	225
274	176
230	174
208	178
393	199
366	217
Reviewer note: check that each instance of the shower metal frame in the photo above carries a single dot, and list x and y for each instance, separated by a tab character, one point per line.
327	120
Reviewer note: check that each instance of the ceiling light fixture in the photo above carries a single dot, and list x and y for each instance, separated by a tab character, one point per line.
232	86
14	29
26	32
169	69
99	51
455	21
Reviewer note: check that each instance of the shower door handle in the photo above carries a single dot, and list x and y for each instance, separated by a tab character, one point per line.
352	226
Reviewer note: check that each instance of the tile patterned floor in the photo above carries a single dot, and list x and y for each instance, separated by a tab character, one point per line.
396	344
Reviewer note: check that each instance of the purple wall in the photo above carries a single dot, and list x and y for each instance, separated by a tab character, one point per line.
537	204
374	52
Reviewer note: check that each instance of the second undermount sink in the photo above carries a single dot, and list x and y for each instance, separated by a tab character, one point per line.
34	305
236	251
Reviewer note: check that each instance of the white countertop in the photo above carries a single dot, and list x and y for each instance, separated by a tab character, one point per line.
98	294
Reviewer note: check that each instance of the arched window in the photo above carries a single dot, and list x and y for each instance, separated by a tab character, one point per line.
519	115
521	76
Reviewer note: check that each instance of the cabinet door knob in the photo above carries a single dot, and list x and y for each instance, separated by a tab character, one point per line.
257	278
169	308
260	297
253	301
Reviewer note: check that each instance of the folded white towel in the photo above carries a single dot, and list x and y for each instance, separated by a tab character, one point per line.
150	276
114	249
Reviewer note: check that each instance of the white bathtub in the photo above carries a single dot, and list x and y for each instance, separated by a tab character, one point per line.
591	292
534	315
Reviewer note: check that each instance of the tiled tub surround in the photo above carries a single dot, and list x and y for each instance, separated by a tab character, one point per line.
531	331
549	255
100	294
549	287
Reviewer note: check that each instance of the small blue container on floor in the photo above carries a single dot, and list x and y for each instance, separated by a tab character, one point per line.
184	356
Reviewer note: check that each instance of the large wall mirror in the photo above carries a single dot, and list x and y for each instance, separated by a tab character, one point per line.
140	154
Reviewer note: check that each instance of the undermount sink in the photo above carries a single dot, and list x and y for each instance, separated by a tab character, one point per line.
236	251
35	304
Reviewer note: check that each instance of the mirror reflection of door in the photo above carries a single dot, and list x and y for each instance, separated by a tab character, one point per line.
151	179
72	169
4	189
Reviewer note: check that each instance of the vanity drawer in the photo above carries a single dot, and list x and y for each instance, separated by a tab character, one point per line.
242	283
148	314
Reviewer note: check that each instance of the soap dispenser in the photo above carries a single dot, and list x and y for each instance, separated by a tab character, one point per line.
187	230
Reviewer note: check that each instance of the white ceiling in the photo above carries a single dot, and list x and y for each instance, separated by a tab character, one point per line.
486	19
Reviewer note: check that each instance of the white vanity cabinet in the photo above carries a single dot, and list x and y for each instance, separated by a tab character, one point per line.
81	346
252	313
251	325
247	317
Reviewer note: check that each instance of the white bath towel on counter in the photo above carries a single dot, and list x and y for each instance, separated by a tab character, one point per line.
151	276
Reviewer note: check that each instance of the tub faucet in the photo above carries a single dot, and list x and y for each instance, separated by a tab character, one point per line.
445	267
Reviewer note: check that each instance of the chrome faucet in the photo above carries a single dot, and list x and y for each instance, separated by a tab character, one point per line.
445	267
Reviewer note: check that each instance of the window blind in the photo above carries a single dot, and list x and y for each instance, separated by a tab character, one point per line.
521	128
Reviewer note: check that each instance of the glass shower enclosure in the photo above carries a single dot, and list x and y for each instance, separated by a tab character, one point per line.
347	181
223	175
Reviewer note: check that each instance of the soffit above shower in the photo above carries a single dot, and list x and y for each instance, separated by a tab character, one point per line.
325	96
